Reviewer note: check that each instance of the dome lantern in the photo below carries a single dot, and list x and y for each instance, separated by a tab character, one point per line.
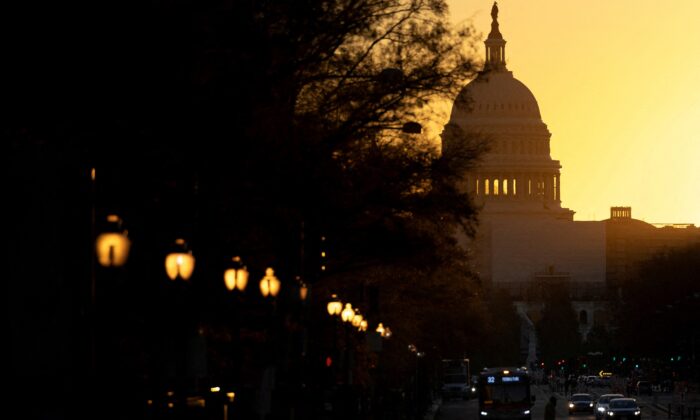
495	45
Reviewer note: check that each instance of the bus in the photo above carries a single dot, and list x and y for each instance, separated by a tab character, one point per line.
504	393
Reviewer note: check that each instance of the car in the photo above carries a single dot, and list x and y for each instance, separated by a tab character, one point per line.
581	403
601	406
623	408
456	386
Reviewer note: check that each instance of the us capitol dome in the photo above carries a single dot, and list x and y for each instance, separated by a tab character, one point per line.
517	174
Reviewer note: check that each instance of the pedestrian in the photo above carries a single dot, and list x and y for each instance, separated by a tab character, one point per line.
549	409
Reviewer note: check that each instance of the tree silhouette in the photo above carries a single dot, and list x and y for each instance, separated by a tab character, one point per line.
241	126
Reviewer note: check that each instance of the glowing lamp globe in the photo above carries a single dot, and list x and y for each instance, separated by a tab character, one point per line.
236	276
269	285
180	262
348	313
113	245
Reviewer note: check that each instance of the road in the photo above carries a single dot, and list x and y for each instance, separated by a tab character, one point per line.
467	410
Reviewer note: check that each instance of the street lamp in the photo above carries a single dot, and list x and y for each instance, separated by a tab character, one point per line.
348	313
335	306
303	289
387	332
180	262
236	276
384	332
357	319
112	246
269	285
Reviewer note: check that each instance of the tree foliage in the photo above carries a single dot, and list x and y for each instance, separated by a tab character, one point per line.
257	128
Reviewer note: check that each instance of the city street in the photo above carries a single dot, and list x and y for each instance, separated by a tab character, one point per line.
468	410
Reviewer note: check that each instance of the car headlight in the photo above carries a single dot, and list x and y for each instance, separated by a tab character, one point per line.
571	405
590	405
484	413
473	389
526	412
610	413
638	412
601	409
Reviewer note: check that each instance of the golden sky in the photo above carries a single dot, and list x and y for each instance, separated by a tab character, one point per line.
618	85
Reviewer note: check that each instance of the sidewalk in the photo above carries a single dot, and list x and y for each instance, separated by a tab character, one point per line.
433	409
687	406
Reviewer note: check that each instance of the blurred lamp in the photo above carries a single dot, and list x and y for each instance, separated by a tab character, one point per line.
303	291
348	313
180	262
236	276
269	285
335	306
112	246
357	319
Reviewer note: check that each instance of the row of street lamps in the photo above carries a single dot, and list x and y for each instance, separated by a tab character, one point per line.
113	245
112	248
353	316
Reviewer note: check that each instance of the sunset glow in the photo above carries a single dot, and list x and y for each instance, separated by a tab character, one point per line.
617	85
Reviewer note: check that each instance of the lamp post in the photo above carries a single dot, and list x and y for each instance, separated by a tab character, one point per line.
110	248
179	267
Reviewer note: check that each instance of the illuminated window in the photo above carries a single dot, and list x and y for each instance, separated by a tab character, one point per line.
495	187
486	186
505	187
477	186
529	187
515	191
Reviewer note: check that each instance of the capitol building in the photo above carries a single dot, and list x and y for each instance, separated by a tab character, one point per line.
525	240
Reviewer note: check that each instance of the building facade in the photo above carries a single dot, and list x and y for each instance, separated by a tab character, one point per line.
526	241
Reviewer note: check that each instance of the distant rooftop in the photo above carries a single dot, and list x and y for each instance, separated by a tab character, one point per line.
625	213
674	225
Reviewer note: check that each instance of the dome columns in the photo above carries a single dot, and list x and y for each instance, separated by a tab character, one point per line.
539	186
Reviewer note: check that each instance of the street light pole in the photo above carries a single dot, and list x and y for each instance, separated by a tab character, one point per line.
93	273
